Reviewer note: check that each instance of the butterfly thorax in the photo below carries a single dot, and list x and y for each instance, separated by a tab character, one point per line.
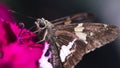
48	33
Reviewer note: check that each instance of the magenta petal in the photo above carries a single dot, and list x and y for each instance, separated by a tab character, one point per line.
18	48
19	55
44	59
5	14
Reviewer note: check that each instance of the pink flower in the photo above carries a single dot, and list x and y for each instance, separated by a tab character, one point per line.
18	48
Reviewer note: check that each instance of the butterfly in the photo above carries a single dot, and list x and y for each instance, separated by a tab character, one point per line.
72	37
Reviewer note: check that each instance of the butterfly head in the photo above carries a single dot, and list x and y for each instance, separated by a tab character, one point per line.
43	27
42	23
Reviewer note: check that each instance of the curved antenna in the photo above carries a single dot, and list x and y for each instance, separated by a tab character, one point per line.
29	17
17	13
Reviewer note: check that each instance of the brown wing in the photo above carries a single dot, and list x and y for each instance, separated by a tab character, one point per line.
89	36
80	17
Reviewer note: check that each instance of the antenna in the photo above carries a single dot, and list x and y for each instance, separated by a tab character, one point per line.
17	13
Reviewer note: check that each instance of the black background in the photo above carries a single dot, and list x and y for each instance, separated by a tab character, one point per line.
106	11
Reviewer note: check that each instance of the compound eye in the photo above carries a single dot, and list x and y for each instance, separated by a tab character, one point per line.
42	24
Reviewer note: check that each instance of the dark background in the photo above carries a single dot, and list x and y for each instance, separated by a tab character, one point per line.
106	11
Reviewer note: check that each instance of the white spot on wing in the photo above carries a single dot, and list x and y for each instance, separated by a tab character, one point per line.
91	33
65	50
82	36
79	27
105	25
79	32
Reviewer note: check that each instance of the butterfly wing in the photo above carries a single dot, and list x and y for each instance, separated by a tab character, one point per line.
75	40
80	17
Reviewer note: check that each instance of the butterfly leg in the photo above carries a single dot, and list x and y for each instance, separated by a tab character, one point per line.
43	39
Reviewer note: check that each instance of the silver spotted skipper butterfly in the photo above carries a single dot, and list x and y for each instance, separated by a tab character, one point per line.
73	36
